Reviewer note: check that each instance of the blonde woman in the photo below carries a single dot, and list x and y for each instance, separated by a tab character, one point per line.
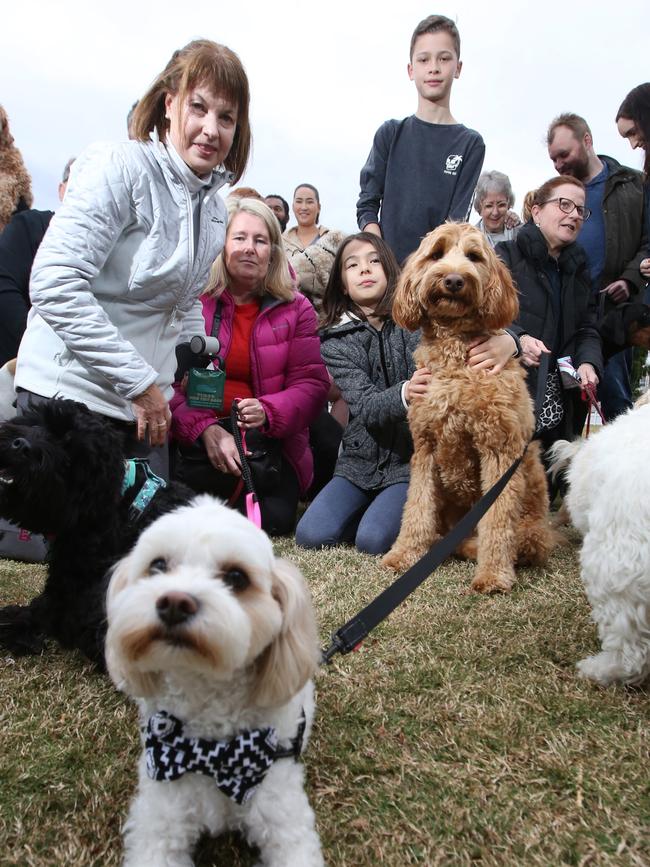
271	357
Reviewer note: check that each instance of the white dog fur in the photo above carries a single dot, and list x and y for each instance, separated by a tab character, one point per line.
609	503
243	661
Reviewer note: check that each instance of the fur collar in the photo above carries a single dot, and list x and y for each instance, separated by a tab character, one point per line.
532	245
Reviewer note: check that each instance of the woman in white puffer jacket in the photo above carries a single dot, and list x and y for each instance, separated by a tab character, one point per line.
117	277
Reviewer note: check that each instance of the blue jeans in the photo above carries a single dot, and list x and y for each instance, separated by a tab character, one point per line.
614	392
342	512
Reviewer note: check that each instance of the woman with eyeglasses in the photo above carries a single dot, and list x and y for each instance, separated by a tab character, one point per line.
557	309
493	201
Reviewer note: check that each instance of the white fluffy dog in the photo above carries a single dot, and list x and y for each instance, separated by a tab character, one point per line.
217	640
609	503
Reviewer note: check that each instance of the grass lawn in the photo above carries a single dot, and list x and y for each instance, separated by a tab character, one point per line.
459	734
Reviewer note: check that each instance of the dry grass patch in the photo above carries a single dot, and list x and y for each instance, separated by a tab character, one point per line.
457	734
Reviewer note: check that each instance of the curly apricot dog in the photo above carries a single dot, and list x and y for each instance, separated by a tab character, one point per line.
15	182
470	426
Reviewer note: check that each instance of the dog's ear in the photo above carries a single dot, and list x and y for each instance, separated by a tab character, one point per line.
500	303
122	671
292	658
407	310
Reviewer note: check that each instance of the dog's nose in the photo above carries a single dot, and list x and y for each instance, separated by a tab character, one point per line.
20	444
454	282
174	608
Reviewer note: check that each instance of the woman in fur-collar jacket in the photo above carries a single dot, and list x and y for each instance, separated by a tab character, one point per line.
557	306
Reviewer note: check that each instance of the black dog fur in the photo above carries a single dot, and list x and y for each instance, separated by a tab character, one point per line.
61	474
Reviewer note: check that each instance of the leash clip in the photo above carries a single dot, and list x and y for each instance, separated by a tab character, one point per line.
345	639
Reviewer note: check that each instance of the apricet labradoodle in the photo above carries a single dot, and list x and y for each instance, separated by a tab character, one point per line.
15	183
470	426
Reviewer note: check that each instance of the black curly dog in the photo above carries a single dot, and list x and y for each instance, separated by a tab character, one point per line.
62	471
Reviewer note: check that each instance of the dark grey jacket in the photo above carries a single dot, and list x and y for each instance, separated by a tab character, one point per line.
370	367
625	239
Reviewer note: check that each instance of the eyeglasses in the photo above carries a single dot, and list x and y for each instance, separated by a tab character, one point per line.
567	207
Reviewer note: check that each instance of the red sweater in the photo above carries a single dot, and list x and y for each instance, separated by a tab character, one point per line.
238	367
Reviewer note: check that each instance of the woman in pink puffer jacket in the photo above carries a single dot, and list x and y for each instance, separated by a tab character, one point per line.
271	353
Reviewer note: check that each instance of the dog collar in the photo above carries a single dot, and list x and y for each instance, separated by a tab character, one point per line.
138	471
238	765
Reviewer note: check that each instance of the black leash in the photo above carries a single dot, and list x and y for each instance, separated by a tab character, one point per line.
237	436
352	633
253	512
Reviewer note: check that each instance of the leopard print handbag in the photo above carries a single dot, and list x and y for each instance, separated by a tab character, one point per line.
552	411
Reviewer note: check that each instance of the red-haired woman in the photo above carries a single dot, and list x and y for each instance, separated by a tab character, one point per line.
120	270
557	307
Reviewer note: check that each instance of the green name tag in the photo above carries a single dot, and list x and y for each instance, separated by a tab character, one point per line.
205	388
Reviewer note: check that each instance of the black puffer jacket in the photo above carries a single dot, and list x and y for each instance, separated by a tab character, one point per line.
370	367
528	260
18	245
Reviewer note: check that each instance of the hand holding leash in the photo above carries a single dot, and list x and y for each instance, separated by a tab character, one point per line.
250	413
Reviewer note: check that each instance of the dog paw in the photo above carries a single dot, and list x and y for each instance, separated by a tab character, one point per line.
596	669
468	550
492	583
606	668
397	560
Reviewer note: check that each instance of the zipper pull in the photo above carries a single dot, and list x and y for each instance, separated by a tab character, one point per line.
173	317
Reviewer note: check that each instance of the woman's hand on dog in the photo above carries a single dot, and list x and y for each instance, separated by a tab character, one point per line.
417	385
152	413
221	450
531	350
491	353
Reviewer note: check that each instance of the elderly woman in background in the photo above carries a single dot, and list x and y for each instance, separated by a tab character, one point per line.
493	201
557	308
271	353
127	254
310	248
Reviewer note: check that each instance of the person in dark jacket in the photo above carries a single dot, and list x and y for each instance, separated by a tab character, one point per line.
614	239
18	245
633	123
557	312
371	360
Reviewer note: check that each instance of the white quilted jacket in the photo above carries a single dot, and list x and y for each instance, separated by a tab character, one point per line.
116	275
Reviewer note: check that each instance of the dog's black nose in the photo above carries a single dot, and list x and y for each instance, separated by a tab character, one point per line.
174	608
20	444
454	282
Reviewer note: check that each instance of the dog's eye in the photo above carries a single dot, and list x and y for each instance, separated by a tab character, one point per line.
436	255
237	579
158	565
474	257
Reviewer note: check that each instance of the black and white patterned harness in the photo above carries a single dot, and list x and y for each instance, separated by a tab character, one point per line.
238	765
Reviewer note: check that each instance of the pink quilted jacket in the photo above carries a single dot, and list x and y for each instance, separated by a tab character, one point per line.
287	371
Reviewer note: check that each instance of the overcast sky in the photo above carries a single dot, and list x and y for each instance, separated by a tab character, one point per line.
323	77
